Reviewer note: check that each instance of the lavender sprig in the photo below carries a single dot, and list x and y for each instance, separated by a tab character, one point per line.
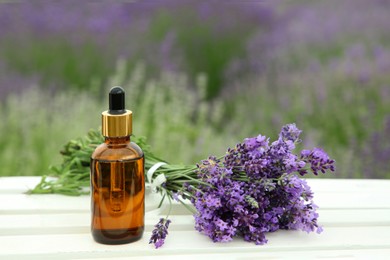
252	190
160	232
319	161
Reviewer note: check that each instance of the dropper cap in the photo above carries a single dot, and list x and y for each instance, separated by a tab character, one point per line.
117	121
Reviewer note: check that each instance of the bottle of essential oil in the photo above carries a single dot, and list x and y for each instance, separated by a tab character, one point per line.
117	178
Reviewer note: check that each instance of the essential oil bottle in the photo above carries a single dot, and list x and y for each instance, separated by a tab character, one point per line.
117	178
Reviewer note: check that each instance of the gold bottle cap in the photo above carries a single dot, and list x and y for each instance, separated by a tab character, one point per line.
117	121
117	125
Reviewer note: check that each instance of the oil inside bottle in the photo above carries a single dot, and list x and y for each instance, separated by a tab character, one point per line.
117	200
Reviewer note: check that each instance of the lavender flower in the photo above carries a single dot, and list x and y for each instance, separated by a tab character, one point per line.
290	132
160	232
319	161
254	189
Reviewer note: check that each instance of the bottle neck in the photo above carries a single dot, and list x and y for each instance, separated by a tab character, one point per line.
117	140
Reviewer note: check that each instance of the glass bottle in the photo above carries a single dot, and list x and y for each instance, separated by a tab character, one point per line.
117	178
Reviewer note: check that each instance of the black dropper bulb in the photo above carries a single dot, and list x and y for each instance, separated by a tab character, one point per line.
116	99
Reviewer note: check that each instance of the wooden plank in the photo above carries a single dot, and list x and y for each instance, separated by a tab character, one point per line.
242	255
352	200
18	184
55	203
67	223
73	223
355	215
52	203
315	254
192	242
348	185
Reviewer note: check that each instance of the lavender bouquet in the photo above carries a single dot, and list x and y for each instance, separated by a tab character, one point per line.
253	189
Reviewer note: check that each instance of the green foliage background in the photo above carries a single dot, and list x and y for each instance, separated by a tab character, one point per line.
209	96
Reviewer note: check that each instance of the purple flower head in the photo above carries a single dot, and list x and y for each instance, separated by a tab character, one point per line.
319	230
260	142
255	190
305	153
210	171
213	201
216	228
294	186
160	232
175	196
291	163
319	161
290	132
279	149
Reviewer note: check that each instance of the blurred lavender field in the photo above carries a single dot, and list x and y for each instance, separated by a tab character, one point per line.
200	76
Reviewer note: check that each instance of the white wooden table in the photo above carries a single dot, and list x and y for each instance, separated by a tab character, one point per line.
355	215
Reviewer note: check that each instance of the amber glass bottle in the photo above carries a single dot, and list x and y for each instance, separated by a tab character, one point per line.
117	178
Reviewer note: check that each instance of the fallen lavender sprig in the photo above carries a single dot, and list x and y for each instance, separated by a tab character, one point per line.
254	189
160	232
